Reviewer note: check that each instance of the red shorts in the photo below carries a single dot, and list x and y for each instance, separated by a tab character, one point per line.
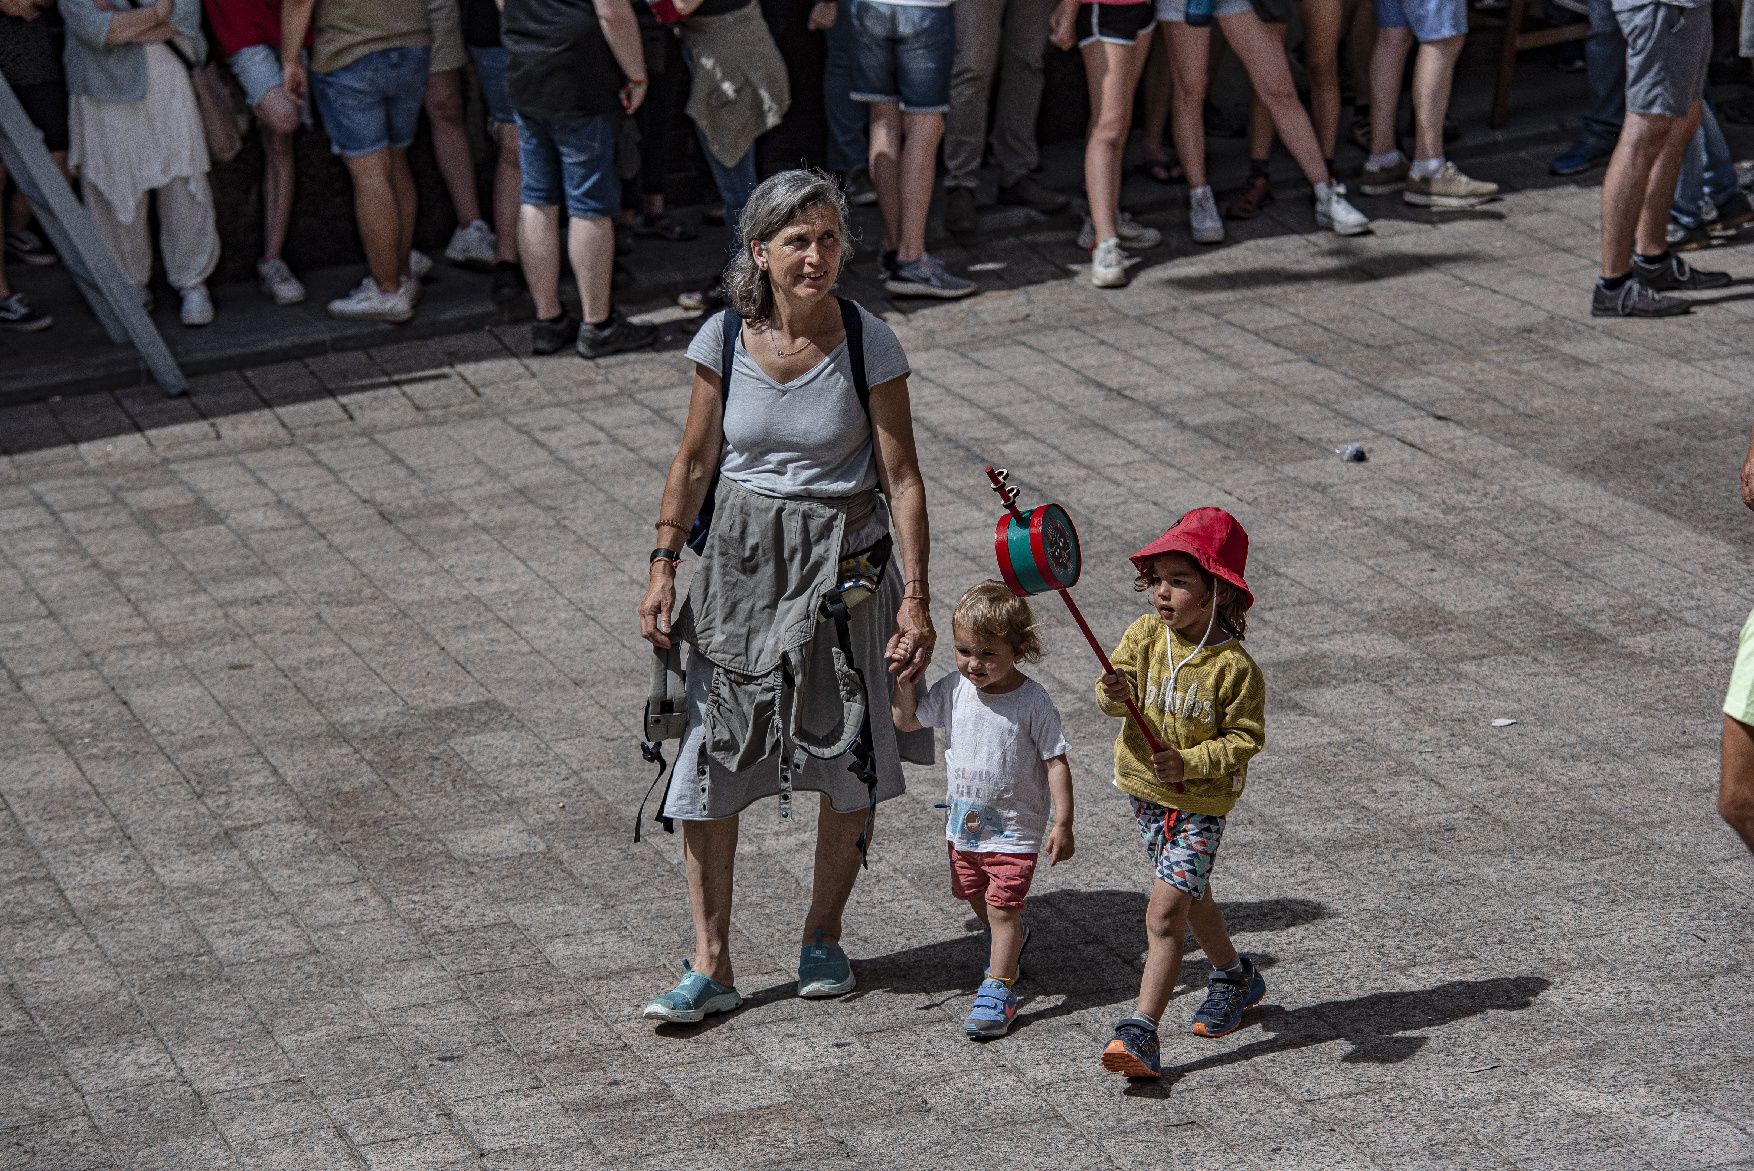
1001	879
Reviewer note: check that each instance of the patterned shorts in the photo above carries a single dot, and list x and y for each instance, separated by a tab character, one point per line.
1181	845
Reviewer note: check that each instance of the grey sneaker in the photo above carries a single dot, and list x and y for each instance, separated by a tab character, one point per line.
1672	272
1131	232
472	246
959	210
551	336
1203	219
927	277
1635	299
823	970
17	315
614	336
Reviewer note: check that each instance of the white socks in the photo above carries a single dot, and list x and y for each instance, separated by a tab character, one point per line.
1425	168
1384	161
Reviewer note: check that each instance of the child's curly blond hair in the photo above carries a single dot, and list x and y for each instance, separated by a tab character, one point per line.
990	610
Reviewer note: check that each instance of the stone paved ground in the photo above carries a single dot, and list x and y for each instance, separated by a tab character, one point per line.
320	695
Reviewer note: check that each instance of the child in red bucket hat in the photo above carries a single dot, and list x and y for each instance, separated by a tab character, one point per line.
1205	700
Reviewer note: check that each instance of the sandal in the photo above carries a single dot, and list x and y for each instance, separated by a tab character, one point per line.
694	998
664	226
1248	201
1164	171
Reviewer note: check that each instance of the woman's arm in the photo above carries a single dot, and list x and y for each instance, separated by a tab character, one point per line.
98	25
703	441
898	470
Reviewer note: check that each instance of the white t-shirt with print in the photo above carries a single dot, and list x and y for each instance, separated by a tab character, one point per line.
996	749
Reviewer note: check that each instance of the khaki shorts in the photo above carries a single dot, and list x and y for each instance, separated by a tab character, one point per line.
448	52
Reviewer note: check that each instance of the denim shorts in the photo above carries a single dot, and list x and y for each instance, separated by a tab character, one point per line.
1430	20
374	103
1176	11
490	67
257	68
903	53
570	161
1667	51
1181	845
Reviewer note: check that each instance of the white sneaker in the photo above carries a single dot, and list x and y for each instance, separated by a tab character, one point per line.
1203	220
1130	232
277	281
369	303
420	264
1108	265
472	246
1333	210
197	306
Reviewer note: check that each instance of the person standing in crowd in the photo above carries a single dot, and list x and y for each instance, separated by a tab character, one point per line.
739	90
1263	55
1006	38
135	132
1604	55
645	199
472	243
1114	39
1322	20
901	71
849	145
1735	794
30	61
247	33
368	75
1439	27
573	69
481	35
1668	47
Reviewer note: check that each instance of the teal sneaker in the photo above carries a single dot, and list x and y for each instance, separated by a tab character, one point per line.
695	998
995	1007
823	970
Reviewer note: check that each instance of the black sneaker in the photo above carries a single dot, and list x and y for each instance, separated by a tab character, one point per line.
507	283
26	247
1635	299
959	214
708	300
887	262
552	336
17	315
1672	272
1681	239
614	336
1733	214
1026	192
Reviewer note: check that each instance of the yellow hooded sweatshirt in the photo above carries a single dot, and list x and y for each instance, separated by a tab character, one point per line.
1219	721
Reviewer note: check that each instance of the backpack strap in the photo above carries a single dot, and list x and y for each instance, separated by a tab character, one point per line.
730	328
854	323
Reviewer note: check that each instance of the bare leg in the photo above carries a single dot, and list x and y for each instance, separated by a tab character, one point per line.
709	852
377	206
1007	927
591	246
507	176
1263	55
539	251
1653	223
836	870
1260	121
1626	186
1112	73
1321	57
1434	68
885	167
1189	57
278	115
1156	84
1386	64
919	165
1207	923
1166	918
450	142
402	180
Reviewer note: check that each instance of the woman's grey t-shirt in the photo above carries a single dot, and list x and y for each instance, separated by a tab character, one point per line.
807	437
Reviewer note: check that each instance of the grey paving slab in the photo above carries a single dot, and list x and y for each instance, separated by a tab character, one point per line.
321	692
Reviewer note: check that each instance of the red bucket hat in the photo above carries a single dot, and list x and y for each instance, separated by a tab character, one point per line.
1213	538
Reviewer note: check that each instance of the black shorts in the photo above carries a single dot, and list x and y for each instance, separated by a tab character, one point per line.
1118	24
46	106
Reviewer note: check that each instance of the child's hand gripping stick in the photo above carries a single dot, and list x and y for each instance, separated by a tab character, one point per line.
1038	552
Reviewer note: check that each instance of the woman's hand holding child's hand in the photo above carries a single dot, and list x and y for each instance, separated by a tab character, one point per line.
1116	687
1168	764
1060	844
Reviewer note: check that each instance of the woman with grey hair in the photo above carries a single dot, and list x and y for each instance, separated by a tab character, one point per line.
795	481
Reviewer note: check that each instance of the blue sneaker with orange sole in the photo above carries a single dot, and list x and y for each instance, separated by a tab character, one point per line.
1133	1051
1227	998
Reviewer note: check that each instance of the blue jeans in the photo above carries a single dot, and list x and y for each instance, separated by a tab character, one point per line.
1708	172
848	122
736	183
1604	56
570	161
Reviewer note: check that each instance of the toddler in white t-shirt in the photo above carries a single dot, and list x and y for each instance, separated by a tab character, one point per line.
1005	757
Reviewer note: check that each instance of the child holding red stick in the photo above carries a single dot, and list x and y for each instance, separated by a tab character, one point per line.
1205	700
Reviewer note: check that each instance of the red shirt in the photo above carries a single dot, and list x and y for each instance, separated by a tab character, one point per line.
238	24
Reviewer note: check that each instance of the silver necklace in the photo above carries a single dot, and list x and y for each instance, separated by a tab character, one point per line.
784	353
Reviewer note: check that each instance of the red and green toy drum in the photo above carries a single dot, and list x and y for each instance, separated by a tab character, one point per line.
1038	550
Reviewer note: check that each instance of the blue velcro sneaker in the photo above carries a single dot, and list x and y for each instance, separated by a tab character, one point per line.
694	999
823	970
995	1007
1226	999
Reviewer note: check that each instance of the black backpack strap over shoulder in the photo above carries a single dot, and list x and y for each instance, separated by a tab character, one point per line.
730	329
853	320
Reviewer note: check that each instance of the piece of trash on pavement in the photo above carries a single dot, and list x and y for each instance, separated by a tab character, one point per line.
1501	722
1352	453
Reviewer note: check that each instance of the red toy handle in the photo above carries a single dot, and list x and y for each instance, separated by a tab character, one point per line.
1009	496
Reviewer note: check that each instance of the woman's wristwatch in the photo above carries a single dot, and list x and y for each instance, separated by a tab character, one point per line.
663	554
